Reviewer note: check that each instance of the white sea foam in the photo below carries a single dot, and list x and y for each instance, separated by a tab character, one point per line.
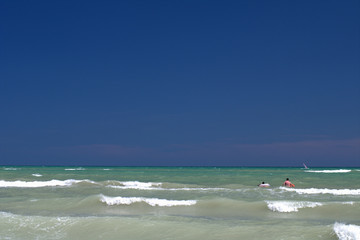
140	185
75	169
36	175
329	171
347	232
154	186
287	206
203	189
10	169
136	185
151	201
323	191
36	184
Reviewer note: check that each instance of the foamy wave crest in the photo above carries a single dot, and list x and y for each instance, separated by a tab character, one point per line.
136	185
155	186
198	189
75	169
151	201
36	175
285	206
323	191
10	169
36	184
347	232
330	171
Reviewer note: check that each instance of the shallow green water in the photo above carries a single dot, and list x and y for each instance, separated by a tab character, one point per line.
178	203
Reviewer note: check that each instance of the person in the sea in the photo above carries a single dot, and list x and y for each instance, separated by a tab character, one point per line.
263	184
287	183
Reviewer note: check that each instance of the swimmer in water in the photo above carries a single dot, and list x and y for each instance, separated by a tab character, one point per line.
263	184
287	183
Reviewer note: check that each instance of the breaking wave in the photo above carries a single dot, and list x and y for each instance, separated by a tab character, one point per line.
323	191
329	171
10	169
287	206
110	183
134	185
347	232
151	201
155	186
75	169
37	184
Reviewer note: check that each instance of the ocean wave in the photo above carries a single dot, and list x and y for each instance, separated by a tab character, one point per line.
36	184
155	186
134	185
329	171
323	191
199	189
74	169
287	206
36	175
347	232
10	169
151	201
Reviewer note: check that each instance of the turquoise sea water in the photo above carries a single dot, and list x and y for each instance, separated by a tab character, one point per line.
178	203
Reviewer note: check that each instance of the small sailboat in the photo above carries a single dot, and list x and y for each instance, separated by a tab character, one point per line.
305	166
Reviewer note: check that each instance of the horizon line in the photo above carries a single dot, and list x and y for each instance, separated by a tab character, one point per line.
176	166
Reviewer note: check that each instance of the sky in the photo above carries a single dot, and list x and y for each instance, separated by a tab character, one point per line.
180	83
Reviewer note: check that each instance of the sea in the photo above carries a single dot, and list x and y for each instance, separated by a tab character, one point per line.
187	203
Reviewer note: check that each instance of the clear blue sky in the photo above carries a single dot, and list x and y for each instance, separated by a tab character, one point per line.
224	83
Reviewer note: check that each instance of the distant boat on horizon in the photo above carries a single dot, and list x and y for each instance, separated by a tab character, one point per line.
305	166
